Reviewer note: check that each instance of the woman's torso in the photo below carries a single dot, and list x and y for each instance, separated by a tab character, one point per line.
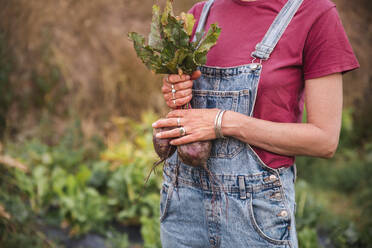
244	24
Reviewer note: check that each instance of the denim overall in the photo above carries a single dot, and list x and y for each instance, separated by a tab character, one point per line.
248	204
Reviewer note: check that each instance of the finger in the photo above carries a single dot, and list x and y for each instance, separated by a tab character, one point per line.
196	74
178	95
176	113
183	85
170	122
179	102
175	78
167	87
174	133
183	140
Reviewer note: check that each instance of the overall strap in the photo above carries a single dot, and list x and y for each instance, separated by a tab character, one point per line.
203	18
276	30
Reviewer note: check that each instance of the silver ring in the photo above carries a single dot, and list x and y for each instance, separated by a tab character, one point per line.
166	79
182	131
178	121
173	95
174	101
173	92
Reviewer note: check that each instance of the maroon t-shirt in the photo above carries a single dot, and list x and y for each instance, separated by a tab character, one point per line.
313	45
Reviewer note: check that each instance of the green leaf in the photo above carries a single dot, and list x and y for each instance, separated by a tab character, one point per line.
155	34
145	53
200	58
188	22
175	33
179	57
138	42
168	11
210	39
199	36
200	55
189	65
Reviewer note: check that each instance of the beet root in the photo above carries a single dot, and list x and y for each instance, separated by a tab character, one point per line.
162	146
195	154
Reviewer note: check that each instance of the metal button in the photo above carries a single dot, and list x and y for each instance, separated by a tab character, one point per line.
283	213
255	67
272	178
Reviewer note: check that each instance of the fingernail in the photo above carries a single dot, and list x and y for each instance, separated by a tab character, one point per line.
153	124
172	143
158	135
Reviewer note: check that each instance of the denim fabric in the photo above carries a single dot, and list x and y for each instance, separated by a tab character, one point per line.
249	215
252	204
243	203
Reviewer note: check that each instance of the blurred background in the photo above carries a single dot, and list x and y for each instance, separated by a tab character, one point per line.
76	107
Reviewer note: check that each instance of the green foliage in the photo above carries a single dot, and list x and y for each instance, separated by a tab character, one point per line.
116	240
341	183
308	238
17	226
362	117
308	209
86	194
151	231
169	49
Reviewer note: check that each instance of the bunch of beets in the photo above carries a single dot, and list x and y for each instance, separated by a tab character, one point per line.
170	51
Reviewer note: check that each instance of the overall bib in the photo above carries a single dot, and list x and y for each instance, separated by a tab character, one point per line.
252	204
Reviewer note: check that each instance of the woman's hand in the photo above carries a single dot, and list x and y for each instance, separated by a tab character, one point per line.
198	124
182	86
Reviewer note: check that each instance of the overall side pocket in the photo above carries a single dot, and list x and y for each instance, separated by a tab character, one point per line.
165	199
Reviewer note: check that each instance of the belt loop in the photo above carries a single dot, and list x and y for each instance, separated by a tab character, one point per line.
243	193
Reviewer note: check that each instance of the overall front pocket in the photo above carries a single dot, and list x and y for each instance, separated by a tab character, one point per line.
166	193
237	101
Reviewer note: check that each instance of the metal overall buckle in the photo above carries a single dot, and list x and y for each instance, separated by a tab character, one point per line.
256	65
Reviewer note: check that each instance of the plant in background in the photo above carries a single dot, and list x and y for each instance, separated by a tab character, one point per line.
82	194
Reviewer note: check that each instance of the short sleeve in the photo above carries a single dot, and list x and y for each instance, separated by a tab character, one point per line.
327	49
